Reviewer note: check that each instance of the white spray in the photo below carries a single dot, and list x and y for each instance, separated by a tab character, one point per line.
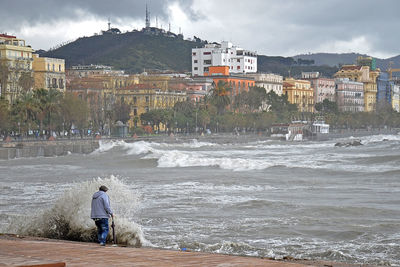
69	218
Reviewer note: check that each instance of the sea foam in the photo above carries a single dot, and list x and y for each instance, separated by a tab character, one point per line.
69	217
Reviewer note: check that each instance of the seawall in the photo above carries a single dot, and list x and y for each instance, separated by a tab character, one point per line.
27	149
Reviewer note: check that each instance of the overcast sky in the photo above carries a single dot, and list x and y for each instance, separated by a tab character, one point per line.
270	27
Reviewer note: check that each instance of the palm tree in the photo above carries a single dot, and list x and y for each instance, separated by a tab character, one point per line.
220	96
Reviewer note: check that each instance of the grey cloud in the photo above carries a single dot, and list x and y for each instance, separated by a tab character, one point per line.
19	12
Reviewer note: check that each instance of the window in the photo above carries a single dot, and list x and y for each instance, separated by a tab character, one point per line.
61	83
134	112
238	67
207	61
147	99
59	68
195	68
54	67
194	53
54	83
134	100
238	60
207	53
195	61
205	69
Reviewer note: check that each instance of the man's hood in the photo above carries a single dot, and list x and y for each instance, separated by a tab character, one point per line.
97	194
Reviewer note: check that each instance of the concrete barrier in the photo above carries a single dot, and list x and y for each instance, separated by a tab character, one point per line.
47	148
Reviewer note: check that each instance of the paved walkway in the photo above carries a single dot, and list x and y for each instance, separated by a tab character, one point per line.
52	253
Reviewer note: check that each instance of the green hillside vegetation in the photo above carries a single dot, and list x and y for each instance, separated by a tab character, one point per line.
136	51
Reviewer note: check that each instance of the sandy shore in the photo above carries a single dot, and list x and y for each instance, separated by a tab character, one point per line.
33	251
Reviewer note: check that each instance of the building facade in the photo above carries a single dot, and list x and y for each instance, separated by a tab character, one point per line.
384	87
225	54
90	70
49	73
324	88
15	62
365	75
396	97
299	92
237	83
349	95
142	98
268	81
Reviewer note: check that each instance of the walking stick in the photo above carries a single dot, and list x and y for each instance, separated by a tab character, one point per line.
113	232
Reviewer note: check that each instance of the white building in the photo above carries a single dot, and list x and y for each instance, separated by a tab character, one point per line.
224	54
269	81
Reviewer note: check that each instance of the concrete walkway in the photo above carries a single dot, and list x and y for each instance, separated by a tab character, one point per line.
56	253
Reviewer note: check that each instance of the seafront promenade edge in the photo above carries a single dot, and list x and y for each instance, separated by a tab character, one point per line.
30	251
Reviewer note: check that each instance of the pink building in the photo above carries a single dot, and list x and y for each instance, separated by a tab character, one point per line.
324	88
350	95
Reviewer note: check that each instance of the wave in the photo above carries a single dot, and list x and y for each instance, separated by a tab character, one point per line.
69	217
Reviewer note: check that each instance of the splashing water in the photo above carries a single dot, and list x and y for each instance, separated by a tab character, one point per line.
69	218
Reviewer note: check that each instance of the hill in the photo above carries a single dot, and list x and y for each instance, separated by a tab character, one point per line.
137	51
332	59
132	51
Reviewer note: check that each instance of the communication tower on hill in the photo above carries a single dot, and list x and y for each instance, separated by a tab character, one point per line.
147	18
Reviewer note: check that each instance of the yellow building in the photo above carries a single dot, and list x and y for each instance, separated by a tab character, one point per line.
142	98
299	92
365	75
15	64
48	73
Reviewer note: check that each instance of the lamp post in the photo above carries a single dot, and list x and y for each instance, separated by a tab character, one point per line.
196	122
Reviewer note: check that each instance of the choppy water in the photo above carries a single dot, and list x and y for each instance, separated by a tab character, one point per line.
254	197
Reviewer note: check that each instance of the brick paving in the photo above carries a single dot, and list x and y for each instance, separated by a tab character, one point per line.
56	253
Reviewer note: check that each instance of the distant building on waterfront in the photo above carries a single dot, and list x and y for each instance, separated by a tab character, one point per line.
90	70
225	54
144	97
49	73
16	60
396	97
384	89
365	75
324	88
237	83
299	92
349	95
268	81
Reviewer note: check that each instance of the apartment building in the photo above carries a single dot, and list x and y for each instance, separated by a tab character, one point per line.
268	81
299	92
349	95
324	88
366	76
225	54
15	61
143	97
48	73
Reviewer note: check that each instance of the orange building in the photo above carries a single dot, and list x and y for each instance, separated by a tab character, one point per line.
238	83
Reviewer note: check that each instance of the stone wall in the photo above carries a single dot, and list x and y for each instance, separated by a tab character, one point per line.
46	148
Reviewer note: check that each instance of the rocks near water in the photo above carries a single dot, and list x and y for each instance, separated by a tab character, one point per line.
349	143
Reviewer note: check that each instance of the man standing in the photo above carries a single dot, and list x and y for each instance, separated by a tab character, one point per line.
101	211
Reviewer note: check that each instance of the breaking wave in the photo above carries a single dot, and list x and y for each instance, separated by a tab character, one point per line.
69	217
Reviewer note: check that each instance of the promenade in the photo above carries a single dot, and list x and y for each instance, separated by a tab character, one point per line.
37	252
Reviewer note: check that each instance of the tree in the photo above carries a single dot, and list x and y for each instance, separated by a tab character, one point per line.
74	112
121	111
326	106
4	116
220	96
4	73
26	81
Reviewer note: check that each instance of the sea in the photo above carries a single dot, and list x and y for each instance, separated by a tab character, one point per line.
236	195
